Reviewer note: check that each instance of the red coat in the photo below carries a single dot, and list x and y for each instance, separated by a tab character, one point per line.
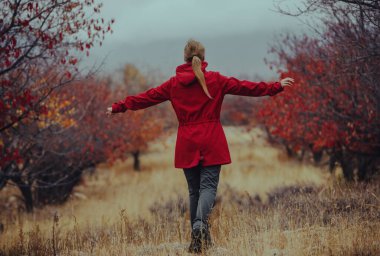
200	134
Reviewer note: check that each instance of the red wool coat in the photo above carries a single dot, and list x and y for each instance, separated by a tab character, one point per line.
200	134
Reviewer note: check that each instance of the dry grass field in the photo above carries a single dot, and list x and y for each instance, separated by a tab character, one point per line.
267	205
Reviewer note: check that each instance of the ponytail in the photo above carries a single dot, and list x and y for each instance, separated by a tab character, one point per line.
196	64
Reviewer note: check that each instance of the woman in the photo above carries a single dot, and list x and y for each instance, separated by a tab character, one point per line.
201	148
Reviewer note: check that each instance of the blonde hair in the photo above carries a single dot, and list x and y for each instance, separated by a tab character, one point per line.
194	52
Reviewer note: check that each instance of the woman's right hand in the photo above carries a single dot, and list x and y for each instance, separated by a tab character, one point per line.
287	81
109	111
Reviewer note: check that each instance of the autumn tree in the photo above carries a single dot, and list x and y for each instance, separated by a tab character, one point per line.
39	45
333	108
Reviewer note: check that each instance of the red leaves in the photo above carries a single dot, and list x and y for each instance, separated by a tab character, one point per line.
61	29
50	44
13	41
70	6
73	61
7	63
331	105
43	110
68	74
9	155
17	53
52	54
97	28
24	23
26	98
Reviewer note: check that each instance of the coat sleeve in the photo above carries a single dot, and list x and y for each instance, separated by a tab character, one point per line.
235	86
145	99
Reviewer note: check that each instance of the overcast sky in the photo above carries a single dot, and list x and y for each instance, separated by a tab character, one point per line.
152	33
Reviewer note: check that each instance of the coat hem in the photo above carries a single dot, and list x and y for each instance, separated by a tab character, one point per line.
208	164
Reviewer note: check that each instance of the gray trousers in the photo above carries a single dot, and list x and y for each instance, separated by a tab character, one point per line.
202	182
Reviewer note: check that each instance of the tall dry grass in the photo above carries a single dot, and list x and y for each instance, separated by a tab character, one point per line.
267	205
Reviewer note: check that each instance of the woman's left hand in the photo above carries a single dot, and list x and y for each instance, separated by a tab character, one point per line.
288	81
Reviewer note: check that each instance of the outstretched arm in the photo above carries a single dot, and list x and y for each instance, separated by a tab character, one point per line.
143	100
235	86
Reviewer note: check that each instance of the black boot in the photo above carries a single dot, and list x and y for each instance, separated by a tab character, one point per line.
200	240
207	241
196	242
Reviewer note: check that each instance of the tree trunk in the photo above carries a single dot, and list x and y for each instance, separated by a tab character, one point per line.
270	138
348	167
366	168
317	156
348	172
2	180
302	155
332	162
26	192
289	151
136	160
